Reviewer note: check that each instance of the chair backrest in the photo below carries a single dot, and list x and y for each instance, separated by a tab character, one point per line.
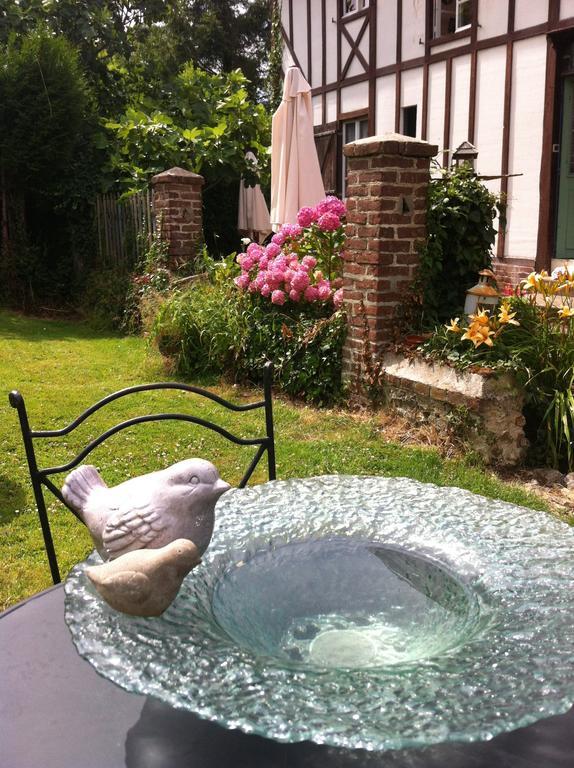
41	477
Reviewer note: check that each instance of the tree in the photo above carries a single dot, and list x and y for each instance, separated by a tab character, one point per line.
49	161
205	124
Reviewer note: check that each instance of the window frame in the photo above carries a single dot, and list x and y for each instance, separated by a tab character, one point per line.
344	120
364	7
459	32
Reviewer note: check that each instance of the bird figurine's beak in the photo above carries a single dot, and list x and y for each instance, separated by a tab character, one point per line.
220	487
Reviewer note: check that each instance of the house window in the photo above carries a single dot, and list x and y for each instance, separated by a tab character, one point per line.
410	121
450	16
352	6
352	130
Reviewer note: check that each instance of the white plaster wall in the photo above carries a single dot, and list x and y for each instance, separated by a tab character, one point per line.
459	100
450	46
355	97
385	99
288	60
489	114
413	29
528	13
493	18
386	32
316	48
299	35
285	18
317	102
331	40
566	9
331	107
412	92
436	96
527	110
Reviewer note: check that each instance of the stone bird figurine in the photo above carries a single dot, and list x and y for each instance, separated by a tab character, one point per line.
146	581
149	511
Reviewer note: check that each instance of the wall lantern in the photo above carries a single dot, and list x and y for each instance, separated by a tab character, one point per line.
483	295
465	153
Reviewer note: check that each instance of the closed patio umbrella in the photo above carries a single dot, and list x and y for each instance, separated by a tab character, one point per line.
295	172
253	217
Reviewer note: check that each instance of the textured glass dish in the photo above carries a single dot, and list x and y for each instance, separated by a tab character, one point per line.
358	612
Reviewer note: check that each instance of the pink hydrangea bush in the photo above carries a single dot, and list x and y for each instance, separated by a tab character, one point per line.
301	263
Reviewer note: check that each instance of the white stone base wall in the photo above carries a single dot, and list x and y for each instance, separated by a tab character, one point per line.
485	407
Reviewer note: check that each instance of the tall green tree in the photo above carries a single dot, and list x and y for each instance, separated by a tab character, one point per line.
49	160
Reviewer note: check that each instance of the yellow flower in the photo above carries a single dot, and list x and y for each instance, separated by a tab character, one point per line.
505	317
479	334
454	327
532	282
481	317
566	312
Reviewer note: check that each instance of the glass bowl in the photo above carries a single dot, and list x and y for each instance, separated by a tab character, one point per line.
359	612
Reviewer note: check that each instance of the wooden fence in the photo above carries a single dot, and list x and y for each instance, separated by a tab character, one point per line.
125	228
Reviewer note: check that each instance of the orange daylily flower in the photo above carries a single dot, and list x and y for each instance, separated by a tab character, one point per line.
505	317
454	327
481	318
479	334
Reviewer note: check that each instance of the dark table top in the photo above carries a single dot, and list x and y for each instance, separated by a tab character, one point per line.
57	712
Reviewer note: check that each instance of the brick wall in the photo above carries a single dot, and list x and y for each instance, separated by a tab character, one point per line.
387	181
511	271
177	205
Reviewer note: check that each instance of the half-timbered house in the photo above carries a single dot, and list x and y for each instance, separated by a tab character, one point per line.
496	73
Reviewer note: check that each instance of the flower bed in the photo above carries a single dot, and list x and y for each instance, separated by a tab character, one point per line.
531	334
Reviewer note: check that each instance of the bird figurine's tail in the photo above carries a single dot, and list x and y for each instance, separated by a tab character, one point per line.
79	485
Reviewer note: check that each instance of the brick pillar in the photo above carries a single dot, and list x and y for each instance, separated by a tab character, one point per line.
387	180
177	205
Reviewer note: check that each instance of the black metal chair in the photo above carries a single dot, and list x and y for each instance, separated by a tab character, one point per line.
40	477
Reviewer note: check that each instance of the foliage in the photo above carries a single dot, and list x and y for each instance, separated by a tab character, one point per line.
275	77
460	215
49	166
212	327
304	343
131	48
533	336
103	300
284	270
205	125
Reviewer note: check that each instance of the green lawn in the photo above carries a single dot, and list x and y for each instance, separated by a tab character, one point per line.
62	367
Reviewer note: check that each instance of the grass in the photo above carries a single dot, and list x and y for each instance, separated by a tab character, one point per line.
62	367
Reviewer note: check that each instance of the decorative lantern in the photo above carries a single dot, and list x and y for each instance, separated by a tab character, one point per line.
483	295
465	153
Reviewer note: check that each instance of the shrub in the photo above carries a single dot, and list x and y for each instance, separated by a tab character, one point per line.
460	215
201	328
286	310
104	298
210	327
532	335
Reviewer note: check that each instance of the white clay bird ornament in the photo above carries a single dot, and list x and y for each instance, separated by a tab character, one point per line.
149	511
145	582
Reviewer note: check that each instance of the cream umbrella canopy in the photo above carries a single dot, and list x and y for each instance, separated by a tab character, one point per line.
253	214
295	173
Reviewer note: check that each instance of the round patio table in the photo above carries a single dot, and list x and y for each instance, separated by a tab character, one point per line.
57	712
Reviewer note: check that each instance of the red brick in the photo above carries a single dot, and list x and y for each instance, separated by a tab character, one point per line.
358	163
407	258
411	232
357	190
398	161
356	218
356	244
